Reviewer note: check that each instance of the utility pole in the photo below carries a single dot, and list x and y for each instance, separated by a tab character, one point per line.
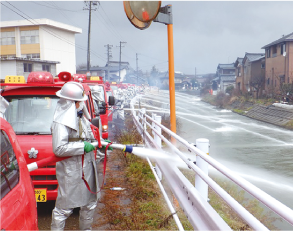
109	56
136	68
89	3
120	59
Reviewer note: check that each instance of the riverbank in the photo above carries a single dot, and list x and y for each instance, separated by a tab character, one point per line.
264	110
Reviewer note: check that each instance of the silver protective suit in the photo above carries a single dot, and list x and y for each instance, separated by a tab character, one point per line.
68	134
3	106
118	109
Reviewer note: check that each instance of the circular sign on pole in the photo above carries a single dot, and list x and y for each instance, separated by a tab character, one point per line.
134	21
145	11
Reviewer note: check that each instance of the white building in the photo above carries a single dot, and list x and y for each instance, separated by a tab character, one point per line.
45	40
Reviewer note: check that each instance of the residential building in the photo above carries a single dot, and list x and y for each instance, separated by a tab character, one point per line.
239	74
253	72
35	40
279	64
225	75
110	72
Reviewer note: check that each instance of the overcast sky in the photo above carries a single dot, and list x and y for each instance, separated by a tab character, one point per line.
205	33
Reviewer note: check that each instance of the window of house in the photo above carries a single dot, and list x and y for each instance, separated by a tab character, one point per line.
268	53
31	56
7	56
283	48
262	65
46	67
29	36
8	38
9	165
27	67
268	81
274	51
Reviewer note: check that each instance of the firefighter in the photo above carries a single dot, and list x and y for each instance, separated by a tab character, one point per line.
71	136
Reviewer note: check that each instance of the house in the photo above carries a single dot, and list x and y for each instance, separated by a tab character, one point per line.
239	74
253	72
279	64
180	80
38	43
225	75
110	72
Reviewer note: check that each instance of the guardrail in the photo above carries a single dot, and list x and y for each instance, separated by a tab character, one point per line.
193	199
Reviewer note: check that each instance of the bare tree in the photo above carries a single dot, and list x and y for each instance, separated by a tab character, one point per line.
257	82
81	66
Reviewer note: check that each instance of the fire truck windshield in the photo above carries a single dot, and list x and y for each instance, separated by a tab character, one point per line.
30	114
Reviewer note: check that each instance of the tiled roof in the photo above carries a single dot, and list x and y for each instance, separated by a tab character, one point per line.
226	66
254	56
285	38
238	61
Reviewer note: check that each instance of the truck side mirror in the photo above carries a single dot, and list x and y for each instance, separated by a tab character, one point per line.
111	100
102	109
95	122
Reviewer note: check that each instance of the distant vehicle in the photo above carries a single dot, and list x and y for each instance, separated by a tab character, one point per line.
31	109
18	203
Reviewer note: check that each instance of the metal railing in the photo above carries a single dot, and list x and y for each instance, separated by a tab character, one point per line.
193	199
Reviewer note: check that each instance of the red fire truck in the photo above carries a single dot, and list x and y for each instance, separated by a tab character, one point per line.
18	204
30	113
96	83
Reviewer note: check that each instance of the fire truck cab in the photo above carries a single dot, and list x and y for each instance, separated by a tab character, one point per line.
18	203
30	113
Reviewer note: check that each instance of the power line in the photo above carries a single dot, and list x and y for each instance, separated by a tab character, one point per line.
55	8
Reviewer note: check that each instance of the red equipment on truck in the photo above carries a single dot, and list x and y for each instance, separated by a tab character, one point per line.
18	202
30	113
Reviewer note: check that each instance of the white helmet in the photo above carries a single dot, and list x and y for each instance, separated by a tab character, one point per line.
72	91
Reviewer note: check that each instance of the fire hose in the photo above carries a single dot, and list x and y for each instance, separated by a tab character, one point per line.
53	159
139	151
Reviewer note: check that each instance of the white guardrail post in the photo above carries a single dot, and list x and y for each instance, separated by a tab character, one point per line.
201	186
158	141
143	119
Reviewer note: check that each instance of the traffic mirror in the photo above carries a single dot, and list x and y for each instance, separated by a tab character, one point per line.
134	21
145	11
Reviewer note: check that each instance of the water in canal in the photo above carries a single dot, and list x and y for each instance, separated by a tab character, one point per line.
259	152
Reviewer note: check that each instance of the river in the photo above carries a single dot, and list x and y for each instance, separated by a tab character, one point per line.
259	152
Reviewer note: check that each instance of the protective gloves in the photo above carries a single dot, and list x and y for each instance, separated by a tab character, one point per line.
88	147
109	148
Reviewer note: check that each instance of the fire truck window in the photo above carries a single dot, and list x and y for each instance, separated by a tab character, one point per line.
30	114
9	166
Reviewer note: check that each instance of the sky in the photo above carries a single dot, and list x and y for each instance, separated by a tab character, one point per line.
205	33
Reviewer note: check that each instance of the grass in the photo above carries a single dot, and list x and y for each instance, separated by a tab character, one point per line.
289	125
239	111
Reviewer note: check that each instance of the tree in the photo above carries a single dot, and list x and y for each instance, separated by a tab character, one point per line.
257	82
81	66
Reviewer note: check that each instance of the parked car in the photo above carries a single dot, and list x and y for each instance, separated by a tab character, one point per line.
18	203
